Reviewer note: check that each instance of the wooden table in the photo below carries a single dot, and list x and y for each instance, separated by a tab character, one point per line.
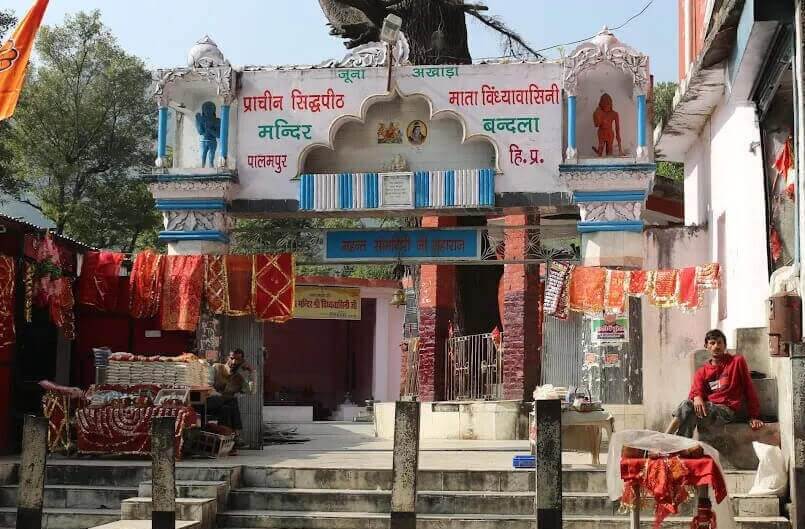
581	431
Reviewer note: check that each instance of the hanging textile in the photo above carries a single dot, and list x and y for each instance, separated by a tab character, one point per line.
47	270
615	291
273	287
62	302
147	275
587	289
709	276
556	290
662	288
29	291
7	282
638	282
690	295
784	162
99	281
181	292
215	284
239	284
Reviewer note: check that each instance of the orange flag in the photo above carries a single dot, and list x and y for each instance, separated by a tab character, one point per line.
14	54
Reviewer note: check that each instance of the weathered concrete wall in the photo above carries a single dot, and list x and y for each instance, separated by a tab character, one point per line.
724	190
670	336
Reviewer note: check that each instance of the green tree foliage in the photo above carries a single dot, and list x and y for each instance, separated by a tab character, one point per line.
663	107
83	128
663	102
302	237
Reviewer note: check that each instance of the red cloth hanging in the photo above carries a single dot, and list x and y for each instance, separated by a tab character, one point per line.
587	289
615	292
273	287
216	290
145	290
665	479
638	282
62	303
98	285
239	285
181	292
7	283
690	296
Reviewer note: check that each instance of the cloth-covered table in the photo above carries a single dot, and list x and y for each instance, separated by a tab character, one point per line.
667	480
581	431
127	429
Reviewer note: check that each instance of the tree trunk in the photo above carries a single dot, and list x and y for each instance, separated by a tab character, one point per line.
421	21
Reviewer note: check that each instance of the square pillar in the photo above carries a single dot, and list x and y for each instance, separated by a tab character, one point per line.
437	288
522	329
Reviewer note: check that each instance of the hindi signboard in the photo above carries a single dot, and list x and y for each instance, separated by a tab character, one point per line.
610	330
282	114
317	302
393	245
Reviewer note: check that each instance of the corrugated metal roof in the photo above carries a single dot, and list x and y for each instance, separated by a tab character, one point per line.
31	227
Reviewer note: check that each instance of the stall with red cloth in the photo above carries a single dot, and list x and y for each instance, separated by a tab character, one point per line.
667	470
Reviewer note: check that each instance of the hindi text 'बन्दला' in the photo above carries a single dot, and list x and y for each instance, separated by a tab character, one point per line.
281	129
512	125
279	162
490	96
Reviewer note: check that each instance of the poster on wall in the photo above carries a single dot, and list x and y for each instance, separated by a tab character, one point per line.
610	329
314	302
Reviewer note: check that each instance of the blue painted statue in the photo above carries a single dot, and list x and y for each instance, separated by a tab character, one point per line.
209	127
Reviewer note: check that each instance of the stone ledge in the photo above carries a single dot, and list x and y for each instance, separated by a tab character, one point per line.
144	524
734	442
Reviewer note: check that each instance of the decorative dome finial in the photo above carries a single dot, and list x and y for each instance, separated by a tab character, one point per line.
205	54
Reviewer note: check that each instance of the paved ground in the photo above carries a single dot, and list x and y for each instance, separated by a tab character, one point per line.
353	446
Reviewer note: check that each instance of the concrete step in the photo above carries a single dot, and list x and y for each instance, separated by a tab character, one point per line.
73	496
64	518
218	490
125	473
203	510
574	479
457	502
144	524
340	520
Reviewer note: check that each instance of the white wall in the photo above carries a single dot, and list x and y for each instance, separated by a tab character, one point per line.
724	189
388	335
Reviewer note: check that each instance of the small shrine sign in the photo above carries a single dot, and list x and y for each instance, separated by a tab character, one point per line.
317	302
610	330
394	245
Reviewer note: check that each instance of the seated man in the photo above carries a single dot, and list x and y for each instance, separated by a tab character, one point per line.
718	393
229	380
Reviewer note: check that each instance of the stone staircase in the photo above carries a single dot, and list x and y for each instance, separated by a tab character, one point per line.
88	494
359	499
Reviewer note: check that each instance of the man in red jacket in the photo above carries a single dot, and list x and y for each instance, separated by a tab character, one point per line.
722	391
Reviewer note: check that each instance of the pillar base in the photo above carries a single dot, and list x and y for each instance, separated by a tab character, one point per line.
612	249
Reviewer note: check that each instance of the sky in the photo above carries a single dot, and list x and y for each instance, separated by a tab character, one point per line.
270	32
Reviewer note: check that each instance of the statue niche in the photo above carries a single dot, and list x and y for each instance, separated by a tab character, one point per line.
209	128
605	120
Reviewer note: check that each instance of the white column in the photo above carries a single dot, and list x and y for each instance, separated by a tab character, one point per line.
381	358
